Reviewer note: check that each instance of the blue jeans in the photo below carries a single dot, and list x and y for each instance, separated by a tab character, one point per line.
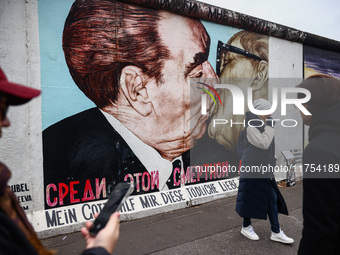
273	213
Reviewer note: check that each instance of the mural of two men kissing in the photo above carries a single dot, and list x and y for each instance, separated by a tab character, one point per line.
142	69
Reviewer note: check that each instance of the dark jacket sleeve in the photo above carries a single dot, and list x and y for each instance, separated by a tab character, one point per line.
321	208
12	239
95	251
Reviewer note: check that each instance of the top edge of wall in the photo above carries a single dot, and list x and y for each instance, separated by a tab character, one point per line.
203	11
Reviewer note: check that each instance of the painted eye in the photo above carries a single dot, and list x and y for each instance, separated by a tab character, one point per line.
225	62
197	72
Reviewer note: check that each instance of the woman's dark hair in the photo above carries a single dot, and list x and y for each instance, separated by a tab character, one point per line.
325	92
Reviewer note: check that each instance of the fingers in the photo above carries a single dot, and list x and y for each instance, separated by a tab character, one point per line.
88	224
116	214
107	237
114	224
84	232
114	220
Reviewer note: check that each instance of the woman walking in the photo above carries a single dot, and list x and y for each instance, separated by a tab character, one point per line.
258	194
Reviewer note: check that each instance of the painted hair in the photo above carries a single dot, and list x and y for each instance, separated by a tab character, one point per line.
254	43
101	37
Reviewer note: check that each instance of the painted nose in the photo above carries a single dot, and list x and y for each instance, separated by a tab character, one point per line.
209	74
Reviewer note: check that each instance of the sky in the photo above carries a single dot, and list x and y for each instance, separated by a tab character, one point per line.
319	17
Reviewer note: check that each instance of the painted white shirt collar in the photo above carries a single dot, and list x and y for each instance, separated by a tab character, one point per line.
147	155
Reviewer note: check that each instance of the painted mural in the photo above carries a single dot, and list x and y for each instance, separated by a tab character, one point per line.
244	62
123	88
319	61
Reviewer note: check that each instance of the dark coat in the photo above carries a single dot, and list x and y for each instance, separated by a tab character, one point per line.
254	190
95	251
321	196
14	242
12	239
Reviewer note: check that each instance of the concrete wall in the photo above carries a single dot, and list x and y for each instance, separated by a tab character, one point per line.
31	53
21	146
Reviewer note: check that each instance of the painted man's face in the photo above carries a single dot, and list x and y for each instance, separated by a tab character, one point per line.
237	66
176	100
238	70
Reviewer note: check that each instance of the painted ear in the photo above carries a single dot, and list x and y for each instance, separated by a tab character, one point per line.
131	83
261	76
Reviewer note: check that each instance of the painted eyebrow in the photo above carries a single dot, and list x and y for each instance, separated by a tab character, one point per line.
199	58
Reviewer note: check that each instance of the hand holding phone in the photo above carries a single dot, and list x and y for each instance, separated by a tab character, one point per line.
107	238
118	196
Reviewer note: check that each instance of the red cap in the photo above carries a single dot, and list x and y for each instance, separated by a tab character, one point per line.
17	93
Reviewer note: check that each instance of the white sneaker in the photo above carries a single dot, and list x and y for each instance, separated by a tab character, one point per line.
281	237
249	233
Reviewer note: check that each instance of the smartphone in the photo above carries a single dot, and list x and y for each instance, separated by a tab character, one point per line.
118	196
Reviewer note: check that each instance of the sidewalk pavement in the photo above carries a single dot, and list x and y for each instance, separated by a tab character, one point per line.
211	228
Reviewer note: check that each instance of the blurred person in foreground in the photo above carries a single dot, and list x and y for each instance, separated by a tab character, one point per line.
321	159
17	235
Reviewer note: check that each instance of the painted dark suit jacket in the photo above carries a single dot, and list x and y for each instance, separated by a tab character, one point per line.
85	147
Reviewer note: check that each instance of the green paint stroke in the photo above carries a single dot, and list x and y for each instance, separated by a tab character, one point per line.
209	93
